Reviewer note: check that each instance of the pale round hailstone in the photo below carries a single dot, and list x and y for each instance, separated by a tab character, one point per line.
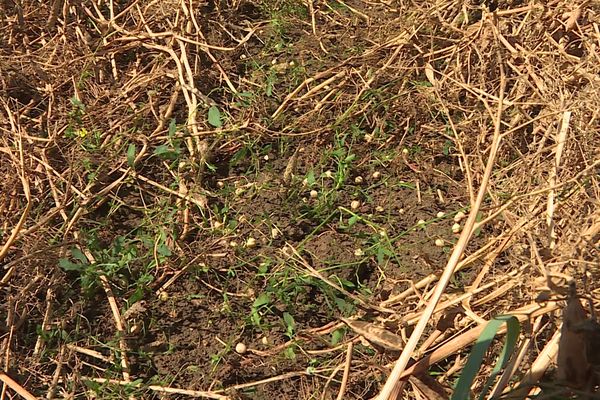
456	228
274	233
266	157
459	216
243	57
401	211
220	184
376	175
440	214
379	209
241	348
439	242
264	340
358	180
355	204
359	253
233	244
405	151
329	174
251	242
313	194
421	222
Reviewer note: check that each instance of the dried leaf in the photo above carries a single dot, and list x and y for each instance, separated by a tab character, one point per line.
375	334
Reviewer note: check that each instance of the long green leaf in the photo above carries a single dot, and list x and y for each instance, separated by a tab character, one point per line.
463	386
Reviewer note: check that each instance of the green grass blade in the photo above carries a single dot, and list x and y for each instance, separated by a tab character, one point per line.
469	372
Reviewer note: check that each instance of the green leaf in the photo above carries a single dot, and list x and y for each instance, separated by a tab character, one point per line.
172	128
70	266
289	323
469	372
336	336
131	154
78	255
310	178
261	300
214	117
352	220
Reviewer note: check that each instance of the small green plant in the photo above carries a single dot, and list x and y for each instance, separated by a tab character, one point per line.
463	386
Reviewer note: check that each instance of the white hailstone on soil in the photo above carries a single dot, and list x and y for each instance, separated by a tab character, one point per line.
274	233
405	151
459	216
292	63
266	157
163	296
329	174
456	228
264	340
305	182
358	180
401	211
379	209
274	61
233	244
355	204
220	184
242	57
251	242
240	348
440	214
421	222
313	194
368	138
376	175
439	242
359	253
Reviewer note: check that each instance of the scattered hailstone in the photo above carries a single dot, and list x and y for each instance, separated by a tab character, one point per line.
264	340
440	214
274	61
421	222
401	211
456	228
163	296
439	242
379	209
358	180
368	138
233	244
355	204
220	184
376	175
359	253
274	233
329	174
251	242
292	63
305	182
459	216
242	57
382	233
405	151
266	157
313	194
240	348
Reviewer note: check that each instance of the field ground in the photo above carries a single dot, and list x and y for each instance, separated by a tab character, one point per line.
256	200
